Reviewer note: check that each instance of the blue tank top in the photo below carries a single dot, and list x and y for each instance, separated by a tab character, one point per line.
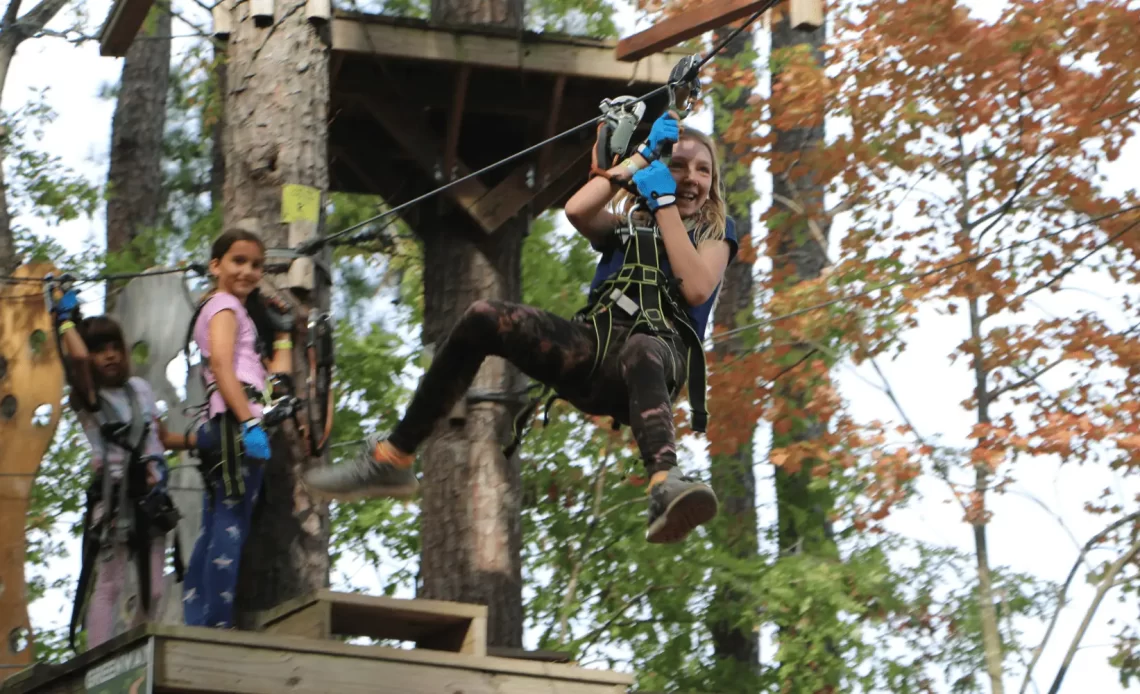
610	262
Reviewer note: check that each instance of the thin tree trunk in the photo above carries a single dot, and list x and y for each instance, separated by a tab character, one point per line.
471	524
135	175
14	30
991	637
804	506
276	108
733	478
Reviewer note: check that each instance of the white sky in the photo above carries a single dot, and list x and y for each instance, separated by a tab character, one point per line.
1022	535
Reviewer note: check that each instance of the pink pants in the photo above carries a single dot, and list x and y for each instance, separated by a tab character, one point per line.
114	607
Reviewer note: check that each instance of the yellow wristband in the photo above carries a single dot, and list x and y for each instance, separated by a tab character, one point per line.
283	344
631	165
65	326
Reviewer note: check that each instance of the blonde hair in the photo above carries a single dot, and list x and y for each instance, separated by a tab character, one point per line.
712	218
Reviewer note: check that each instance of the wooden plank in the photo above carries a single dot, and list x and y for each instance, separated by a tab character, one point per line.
195	666
313	622
455	122
196	659
123	23
523	654
706	16
511	195
32	380
543	56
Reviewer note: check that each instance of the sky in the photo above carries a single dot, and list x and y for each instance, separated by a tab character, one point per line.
1037	526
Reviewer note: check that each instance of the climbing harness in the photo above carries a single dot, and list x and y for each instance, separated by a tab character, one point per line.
642	297
133	512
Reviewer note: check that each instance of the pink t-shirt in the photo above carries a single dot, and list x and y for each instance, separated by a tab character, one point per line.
247	362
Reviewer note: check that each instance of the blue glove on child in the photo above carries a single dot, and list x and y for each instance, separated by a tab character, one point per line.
656	184
665	129
254	440
66	306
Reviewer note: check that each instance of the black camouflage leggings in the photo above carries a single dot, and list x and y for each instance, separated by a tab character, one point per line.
635	383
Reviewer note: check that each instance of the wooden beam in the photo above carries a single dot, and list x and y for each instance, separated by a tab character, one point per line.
511	195
573	177
123	23
551	128
425	149
455	122
707	16
712	14
593	60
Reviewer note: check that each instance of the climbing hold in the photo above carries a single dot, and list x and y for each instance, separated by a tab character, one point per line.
8	407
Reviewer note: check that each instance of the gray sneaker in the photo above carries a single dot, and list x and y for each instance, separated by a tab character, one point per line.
677	506
362	477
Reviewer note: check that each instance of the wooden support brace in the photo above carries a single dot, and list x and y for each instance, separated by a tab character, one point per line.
455	122
424	147
543	176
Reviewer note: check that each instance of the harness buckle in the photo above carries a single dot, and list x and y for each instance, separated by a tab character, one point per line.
624	302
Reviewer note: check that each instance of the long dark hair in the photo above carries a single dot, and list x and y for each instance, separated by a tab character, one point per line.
254	304
99	332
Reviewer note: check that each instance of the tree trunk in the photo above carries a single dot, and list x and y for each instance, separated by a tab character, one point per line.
218	130
471	526
733	478
803	512
135	176
276	107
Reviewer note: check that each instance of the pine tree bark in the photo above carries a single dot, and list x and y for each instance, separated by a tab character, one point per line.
276	113
471	523
733	478
135	175
803	509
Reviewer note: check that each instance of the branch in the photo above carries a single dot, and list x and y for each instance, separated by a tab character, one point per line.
576	570
10	14
1106	584
1077	263
1025	380
1096	539
34	21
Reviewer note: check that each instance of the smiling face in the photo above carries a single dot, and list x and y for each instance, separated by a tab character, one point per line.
239	270
692	168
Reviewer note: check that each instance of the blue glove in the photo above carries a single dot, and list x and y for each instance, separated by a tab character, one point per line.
656	184
665	129
65	307
254	439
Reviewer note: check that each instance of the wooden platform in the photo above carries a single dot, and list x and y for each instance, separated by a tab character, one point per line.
160	658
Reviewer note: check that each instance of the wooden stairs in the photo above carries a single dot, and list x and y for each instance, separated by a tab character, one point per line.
300	648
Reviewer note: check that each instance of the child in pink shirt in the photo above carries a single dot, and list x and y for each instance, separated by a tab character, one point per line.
231	331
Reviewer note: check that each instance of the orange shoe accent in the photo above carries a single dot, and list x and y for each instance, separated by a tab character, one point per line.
387	453
658	478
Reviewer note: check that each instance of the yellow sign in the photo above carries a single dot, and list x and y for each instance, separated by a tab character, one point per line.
300	203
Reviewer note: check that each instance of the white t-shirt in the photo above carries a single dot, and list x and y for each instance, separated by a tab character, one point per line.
118	399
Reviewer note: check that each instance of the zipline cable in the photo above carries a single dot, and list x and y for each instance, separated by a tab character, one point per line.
312	246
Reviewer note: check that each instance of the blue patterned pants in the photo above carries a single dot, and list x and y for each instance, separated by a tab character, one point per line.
211	578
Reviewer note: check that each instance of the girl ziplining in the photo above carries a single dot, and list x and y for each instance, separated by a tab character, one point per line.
626	355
